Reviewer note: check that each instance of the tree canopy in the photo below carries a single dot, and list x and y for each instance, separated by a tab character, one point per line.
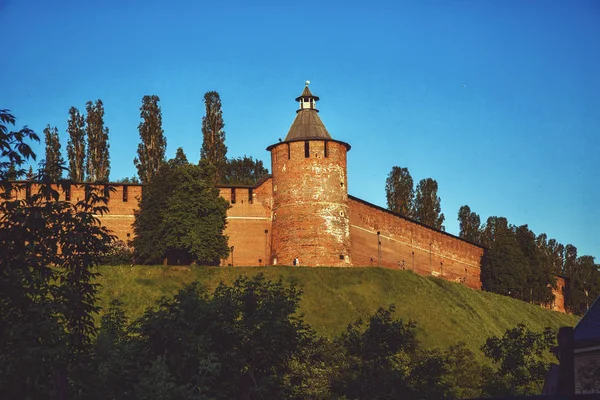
151	151
470	224
47	293
399	191
53	163
182	216
76	146
98	162
427	208
243	171
213	149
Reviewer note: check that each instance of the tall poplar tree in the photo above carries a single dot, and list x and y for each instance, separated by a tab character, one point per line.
428	209
399	191
151	151
76	146
54	160
470	224
213	145
98	162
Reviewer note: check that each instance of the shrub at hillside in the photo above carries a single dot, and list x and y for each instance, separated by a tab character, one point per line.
47	294
181	217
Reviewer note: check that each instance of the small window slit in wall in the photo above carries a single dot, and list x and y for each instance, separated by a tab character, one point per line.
28	191
306	149
232	195
289	153
325	153
250	196
125	194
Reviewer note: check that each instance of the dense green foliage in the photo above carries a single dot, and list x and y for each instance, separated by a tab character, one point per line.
427	206
470	225
243	171
399	191
151	151
47	293
52	164
213	150
182	216
519	264
76	146
519	356
98	162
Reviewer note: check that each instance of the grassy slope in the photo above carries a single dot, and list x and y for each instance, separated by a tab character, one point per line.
446	312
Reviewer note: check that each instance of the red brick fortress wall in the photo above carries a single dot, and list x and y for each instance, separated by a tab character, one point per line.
310	203
249	224
122	204
382	238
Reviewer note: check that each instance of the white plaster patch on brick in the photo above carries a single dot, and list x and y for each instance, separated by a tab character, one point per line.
336	226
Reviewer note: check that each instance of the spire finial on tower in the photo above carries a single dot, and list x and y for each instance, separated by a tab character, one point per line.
307	83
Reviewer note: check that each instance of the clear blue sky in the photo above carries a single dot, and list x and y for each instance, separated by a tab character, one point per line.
499	101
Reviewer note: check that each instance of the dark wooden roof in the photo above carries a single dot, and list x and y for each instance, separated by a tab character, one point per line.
307	93
587	330
307	125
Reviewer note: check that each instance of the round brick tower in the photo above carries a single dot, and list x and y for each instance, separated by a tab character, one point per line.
310	193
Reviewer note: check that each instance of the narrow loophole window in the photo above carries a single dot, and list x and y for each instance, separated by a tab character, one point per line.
325	153
125	194
232	195
306	150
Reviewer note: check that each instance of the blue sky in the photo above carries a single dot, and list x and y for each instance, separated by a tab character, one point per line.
497	101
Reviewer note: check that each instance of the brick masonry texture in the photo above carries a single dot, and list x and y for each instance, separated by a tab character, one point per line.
310	204
381	238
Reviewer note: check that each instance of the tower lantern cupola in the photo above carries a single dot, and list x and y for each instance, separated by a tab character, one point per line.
307	100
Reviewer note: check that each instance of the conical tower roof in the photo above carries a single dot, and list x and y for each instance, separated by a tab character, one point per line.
307	124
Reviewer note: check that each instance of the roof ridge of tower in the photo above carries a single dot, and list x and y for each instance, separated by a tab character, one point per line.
307	124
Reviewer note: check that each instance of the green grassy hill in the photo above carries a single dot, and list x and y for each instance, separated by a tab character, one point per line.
446	312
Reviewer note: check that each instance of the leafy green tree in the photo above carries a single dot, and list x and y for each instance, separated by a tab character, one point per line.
502	266
427	208
385	361
470	224
243	171
570	261
583	285
520	356
14	150
399	191
30	176
539	278
47	293
151	151
76	146
468	378
98	162
235	343
557	252
54	161
213	149
182	216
